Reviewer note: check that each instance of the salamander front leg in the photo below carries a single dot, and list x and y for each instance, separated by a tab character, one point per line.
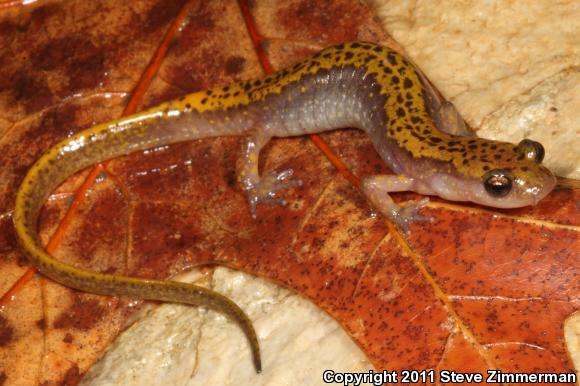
261	190
377	189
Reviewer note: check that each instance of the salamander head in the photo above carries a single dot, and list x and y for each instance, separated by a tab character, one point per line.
515	179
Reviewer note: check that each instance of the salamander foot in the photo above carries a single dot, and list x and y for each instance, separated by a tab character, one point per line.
408	214
265	191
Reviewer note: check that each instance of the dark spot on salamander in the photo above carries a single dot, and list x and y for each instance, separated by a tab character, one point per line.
416	135
395	80
370	58
355	45
416	119
400	112
378	49
407	83
204	101
348	55
188	106
236	93
391	58
399	98
341	46
486	168
472	146
247	86
497	156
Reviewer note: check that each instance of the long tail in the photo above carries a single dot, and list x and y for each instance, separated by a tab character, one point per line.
167	123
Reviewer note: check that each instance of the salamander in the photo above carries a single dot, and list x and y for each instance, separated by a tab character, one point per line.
357	84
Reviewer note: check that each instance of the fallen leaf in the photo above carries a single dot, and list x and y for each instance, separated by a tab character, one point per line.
461	293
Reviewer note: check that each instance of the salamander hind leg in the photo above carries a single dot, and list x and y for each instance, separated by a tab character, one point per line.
377	189
451	122
262	189
443	112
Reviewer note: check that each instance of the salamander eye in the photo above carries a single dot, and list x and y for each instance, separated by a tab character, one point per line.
532	149
497	182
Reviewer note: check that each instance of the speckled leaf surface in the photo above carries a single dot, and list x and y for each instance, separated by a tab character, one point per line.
463	292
